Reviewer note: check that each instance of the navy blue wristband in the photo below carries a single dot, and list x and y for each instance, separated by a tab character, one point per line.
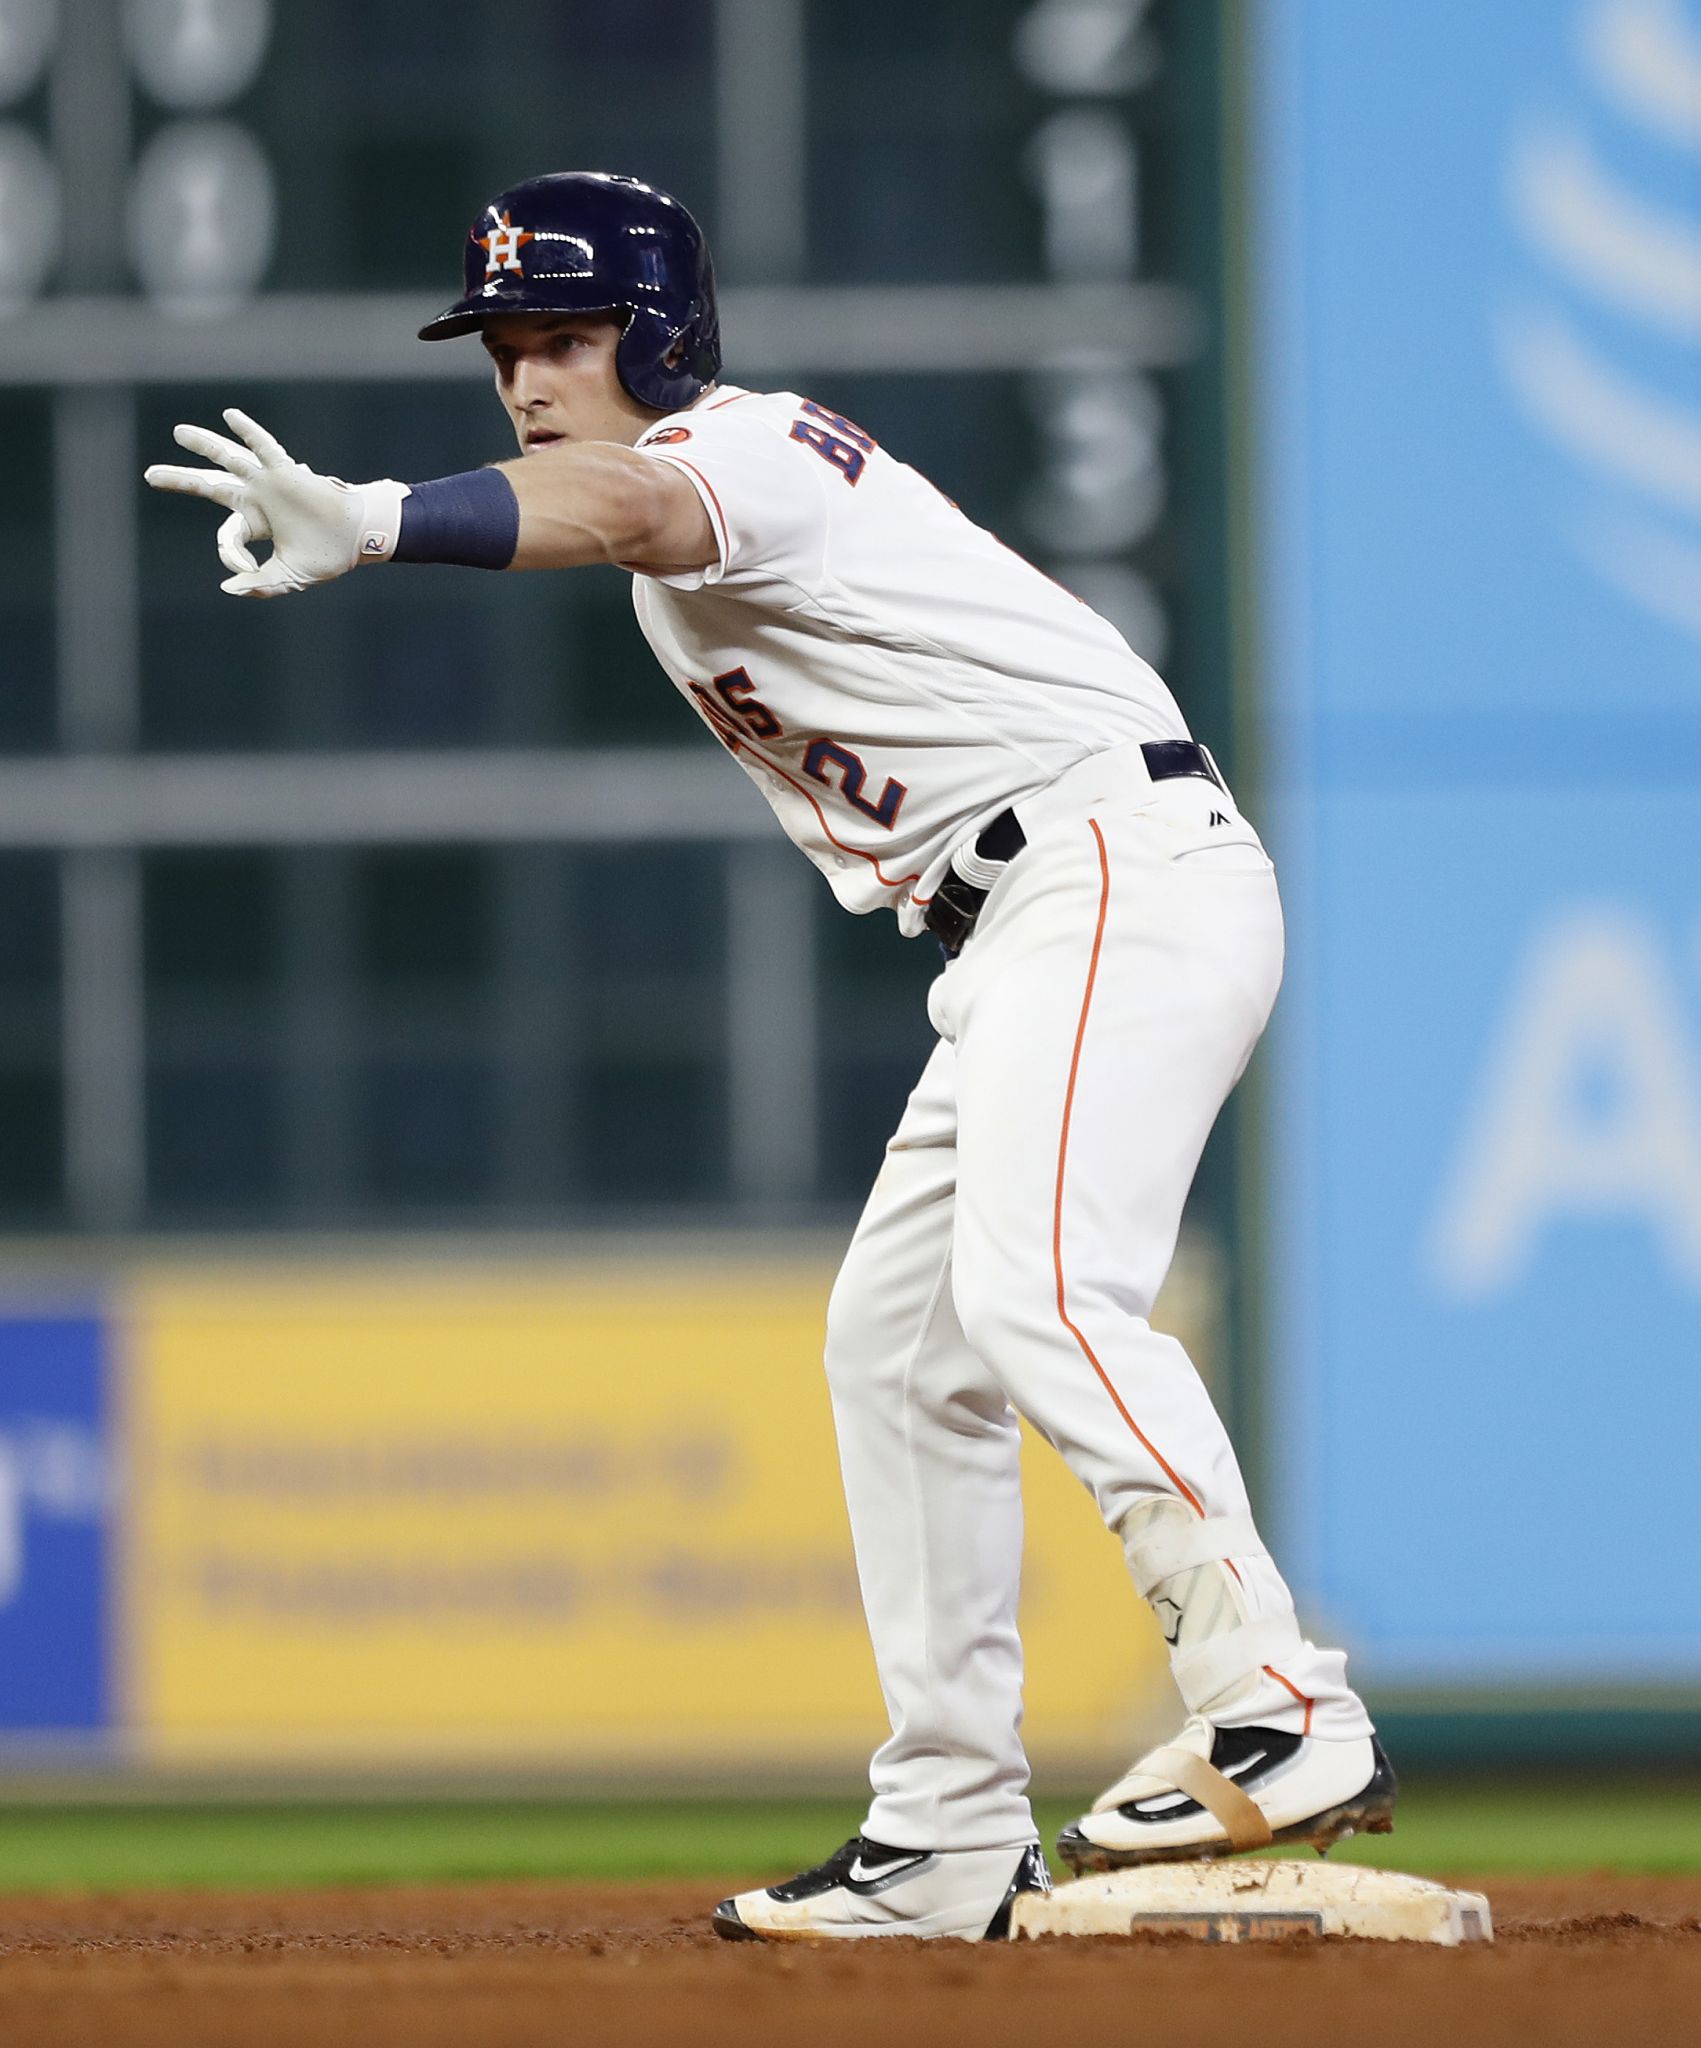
472	519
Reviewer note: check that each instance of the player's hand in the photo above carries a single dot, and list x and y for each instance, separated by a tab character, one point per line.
319	527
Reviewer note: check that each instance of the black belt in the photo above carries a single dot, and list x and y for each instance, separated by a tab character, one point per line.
950	917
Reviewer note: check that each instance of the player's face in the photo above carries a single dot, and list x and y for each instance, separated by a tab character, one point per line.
556	378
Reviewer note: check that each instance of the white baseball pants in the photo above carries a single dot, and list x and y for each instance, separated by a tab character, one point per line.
1015	1239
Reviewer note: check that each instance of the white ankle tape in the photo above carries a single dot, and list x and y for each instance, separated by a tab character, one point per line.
1240	1819
1208	1674
1170	1544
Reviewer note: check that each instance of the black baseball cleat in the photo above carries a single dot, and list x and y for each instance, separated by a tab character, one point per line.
868	1889
1219	1791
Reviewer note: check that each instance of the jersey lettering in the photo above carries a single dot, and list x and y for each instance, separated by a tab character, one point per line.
847	460
824	754
733	712
720	721
734	690
840	425
839	441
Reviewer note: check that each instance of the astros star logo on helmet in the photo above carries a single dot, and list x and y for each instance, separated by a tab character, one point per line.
502	245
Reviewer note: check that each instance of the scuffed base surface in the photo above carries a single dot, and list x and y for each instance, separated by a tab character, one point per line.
1586	1959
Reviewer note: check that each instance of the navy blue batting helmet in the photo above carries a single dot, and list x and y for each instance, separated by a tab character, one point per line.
591	242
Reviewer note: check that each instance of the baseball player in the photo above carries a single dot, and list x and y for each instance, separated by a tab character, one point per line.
947	734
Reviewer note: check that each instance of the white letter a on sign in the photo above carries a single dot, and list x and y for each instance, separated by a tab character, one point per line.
1590	1106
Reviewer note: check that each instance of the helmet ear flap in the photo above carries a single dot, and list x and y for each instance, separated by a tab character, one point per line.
669	370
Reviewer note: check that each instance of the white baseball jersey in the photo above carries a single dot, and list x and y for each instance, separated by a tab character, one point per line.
890	674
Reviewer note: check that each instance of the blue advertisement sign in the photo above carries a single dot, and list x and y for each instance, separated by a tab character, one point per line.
1479	347
54	1518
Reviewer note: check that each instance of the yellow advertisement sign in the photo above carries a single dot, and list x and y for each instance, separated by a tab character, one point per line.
512	1517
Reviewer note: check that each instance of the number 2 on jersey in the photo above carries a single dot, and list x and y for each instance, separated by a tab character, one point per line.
735	714
826	754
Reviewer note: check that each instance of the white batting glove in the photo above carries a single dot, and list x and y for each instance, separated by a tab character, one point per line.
319	527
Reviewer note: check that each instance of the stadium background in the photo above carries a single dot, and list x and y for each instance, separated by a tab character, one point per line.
432	1096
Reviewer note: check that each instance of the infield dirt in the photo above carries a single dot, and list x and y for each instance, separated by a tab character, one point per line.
1586	1959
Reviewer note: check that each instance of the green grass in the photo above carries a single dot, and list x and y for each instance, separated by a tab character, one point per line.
87	1847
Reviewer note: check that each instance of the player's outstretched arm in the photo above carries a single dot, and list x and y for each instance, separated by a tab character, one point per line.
595	501
558	509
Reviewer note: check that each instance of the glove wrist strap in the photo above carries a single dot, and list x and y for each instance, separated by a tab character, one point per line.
380	519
